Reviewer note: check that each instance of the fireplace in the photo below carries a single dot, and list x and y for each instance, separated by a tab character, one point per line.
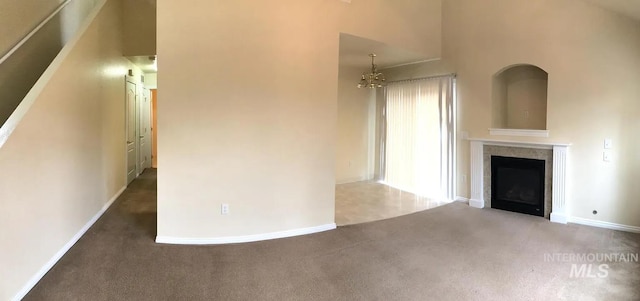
554	154
518	185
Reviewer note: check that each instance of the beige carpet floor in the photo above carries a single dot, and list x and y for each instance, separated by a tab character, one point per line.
452	252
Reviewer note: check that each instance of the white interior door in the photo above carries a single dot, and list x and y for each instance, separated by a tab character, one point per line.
130	103
144	153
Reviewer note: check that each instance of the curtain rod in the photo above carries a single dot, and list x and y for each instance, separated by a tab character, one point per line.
422	78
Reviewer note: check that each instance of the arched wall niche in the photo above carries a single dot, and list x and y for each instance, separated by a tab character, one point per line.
519	98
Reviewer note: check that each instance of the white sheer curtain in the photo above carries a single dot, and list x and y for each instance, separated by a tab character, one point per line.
419	142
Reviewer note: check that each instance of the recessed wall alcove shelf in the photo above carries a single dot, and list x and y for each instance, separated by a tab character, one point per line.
519	102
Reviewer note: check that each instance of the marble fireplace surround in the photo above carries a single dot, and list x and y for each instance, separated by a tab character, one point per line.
520	149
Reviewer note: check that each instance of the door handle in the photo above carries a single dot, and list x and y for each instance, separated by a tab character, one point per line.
141	137
129	142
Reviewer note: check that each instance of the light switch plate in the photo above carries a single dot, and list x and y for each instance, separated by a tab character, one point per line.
606	156
607	143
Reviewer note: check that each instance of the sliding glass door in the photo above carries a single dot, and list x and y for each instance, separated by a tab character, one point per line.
419	139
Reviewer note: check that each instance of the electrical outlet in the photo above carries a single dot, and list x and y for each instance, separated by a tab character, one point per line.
224	209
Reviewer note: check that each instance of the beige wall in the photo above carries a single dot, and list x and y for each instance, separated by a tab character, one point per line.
499	102
151	80
65	159
424	69
139	27
249	112
592	59
356	127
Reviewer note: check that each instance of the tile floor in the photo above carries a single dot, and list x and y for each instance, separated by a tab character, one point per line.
368	201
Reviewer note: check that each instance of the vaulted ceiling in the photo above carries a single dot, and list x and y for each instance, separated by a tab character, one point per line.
354	52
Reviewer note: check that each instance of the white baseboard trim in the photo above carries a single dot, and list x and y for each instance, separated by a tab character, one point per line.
558	218
36	278
601	224
476	203
353	180
461	199
243	238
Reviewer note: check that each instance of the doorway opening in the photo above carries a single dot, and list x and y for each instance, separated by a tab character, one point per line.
387	162
140	120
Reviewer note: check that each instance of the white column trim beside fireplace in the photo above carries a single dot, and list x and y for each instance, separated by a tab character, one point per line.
559	173
559	178
477	166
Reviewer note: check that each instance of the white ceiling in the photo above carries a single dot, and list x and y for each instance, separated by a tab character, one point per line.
629	8
354	52
145	63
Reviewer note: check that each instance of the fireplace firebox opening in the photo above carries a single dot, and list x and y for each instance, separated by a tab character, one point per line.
517	184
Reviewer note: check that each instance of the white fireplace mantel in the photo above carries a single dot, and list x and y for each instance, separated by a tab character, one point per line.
559	173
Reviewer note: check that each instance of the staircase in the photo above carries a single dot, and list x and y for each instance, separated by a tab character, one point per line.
23	64
62	136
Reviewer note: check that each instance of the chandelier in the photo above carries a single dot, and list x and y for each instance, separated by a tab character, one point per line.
374	79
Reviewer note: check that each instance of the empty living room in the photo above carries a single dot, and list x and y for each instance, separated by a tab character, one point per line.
320	150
